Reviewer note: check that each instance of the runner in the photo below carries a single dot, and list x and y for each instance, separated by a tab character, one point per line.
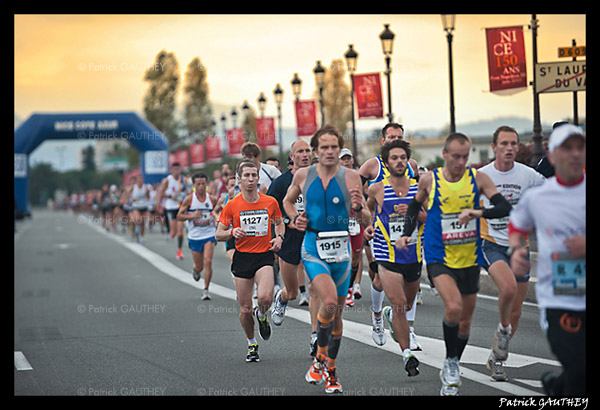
330	191
173	188
251	214
267	173
197	210
452	243
511	179
230	244
289	255
372	171
557	212
399	271
139	194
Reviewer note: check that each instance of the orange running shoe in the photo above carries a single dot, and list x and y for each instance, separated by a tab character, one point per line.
332	384
314	375
179	254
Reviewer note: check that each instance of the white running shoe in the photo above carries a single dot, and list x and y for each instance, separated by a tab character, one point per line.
278	310
378	330
304	299
414	344
450	377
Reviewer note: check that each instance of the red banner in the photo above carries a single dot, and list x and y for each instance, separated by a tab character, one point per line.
172	158
235	139
306	117
213	149
265	132
197	155
183	157
506	59
367	92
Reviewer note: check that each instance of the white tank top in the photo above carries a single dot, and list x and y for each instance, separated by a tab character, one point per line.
138	196
203	227
176	187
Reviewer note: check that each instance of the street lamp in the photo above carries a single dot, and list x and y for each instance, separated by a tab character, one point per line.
320	80
278	94
448	22
262	103
296	86
387	44
351	57
234	116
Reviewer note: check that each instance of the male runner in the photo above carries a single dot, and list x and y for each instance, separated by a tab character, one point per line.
139	194
511	179
173	188
398	270
453	244
330	191
557	212
197	210
251	214
372	171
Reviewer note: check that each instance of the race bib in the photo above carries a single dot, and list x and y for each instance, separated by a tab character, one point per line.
397	227
204	220
299	204
353	226
568	275
255	223
332	247
454	233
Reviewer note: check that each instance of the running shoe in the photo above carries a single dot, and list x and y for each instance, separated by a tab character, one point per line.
420	297
411	364
252	355
350	298
378	330
500	346
356	290
195	274
264	328
332	384
179	254
450	377
304	299
314	375
278	311
387	314
496	368
313	344
205	294
414	344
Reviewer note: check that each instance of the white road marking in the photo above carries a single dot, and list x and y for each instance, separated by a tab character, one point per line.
21	362
433	349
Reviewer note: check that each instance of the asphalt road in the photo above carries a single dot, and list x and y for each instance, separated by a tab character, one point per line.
96	314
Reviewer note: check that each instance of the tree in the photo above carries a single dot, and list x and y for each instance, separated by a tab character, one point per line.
159	101
197	109
337	102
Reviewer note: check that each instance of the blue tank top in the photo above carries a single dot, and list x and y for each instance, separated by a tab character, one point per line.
388	226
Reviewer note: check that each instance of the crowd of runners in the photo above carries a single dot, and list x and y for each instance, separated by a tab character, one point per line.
299	233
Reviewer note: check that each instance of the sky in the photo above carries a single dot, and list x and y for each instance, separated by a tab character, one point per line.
83	63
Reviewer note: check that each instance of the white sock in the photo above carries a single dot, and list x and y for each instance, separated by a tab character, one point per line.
260	315
252	341
406	352
376	299
503	329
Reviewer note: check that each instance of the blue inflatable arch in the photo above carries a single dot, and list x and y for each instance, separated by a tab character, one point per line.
152	145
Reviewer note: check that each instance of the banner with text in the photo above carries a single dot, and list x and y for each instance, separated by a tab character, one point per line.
197	155
306	117
367	92
265	132
213	149
506	59
183	157
235	139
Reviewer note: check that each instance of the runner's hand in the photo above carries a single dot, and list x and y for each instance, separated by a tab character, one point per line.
238	233
402	243
369	233
301	221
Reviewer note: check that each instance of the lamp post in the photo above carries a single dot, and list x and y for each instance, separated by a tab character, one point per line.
296	86
387	44
234	117
278	94
262	103
351	57
537	150
320	80
448	22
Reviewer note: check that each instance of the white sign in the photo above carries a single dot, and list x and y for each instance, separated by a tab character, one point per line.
20	165
156	162
559	77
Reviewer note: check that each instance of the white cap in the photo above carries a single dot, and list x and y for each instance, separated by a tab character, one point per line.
561	133
345	151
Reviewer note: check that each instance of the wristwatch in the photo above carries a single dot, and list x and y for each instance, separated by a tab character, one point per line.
360	209
282	237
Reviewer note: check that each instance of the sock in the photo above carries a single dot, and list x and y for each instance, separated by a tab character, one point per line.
462	343
252	341
376	299
504	329
353	273
406	352
450	338
179	241
333	348
260	315
323	333
302	289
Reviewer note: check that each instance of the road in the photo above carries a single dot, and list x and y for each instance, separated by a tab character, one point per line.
96	314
